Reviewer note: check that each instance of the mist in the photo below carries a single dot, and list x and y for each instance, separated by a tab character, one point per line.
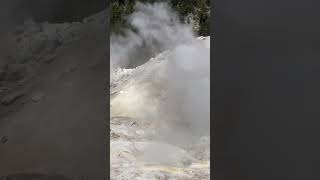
188	91
154	28
184	116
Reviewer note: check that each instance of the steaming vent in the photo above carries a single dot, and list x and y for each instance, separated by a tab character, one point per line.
160	107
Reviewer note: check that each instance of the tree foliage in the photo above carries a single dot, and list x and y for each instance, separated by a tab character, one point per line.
200	8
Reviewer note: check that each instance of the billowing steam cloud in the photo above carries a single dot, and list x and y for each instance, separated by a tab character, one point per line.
188	91
186	111
156	28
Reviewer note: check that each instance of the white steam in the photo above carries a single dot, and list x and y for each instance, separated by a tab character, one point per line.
188	91
157	28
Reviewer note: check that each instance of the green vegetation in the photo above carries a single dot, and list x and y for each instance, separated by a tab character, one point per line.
200	8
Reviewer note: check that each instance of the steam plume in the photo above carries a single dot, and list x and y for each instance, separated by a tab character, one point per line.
186	112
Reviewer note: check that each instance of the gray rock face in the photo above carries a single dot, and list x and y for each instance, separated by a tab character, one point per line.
44	82
34	46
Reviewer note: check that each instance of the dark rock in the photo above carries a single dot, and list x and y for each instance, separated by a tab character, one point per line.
53	44
4	178
15	72
12	97
35	176
31	27
49	58
37	96
38	44
73	68
19	30
22	56
133	123
4	139
87	20
2	74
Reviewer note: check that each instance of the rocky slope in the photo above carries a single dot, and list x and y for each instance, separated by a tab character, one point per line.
52	111
137	149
